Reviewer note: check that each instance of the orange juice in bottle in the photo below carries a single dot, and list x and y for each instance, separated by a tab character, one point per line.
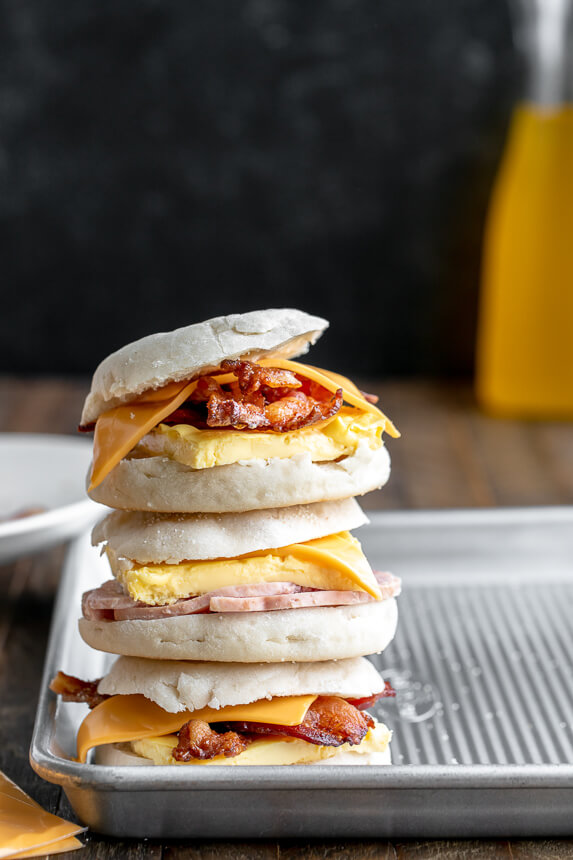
525	333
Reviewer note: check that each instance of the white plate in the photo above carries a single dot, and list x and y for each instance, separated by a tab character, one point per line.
47	472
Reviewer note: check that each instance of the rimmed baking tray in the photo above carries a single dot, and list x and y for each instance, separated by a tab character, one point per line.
483	717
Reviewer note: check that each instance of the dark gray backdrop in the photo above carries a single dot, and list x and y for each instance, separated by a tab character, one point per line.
165	160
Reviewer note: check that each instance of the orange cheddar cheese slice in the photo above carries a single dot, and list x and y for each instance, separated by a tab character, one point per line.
9	790
70	843
28	830
332	381
335	562
127	718
12	790
340	552
118	430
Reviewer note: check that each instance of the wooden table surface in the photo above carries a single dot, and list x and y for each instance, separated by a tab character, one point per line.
450	455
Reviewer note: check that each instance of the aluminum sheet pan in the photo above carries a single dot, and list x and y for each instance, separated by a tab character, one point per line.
482	720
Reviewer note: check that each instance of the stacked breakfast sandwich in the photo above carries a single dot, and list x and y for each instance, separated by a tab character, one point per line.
241	606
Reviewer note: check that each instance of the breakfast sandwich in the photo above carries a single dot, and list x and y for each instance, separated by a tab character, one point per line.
150	712
259	586
216	417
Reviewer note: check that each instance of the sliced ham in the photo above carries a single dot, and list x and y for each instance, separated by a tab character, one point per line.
389	585
195	605
100	604
287	601
110	603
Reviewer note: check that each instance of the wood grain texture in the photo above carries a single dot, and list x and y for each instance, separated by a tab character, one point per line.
549	850
453	850
450	455
222	851
337	850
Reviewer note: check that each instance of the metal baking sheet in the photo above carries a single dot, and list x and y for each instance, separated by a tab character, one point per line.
482	720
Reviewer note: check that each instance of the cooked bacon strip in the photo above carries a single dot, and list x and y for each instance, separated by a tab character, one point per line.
330	721
368	701
73	689
196	739
206	387
261	398
284	415
251	376
187	414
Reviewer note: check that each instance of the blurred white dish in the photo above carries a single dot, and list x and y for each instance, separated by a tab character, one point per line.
48	473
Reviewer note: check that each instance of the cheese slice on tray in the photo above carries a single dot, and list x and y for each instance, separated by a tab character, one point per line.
27	830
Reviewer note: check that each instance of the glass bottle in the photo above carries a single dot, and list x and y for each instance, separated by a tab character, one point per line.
524	364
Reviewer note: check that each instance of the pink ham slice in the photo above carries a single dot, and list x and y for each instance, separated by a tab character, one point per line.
110	603
389	585
287	601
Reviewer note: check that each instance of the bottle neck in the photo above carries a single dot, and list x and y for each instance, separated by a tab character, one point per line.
544	34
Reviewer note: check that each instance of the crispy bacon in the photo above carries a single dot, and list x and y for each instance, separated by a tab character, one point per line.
196	739
330	721
251	377
260	398
187	414
206	387
368	701
371	398
288	413
73	689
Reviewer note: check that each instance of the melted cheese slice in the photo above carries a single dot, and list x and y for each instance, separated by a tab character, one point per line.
27	830
335	562
126	718
119	429
333	381
266	751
